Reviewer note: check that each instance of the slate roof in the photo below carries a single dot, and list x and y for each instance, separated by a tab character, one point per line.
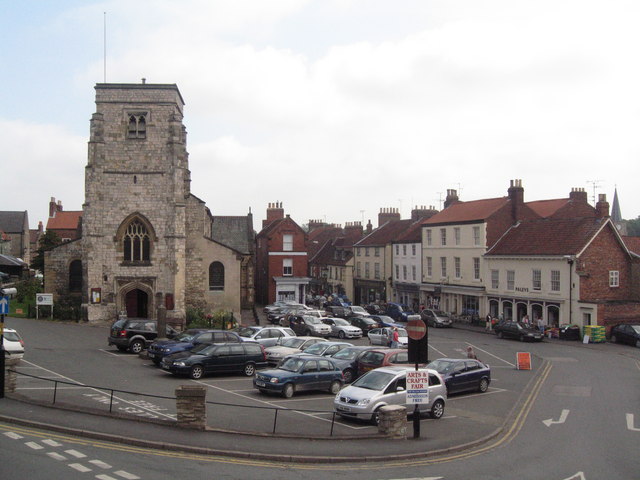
234	232
64	220
12	222
11	261
385	233
546	236
474	210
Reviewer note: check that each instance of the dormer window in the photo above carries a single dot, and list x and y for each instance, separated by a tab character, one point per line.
137	127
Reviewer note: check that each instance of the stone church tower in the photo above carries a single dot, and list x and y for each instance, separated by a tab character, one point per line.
136	191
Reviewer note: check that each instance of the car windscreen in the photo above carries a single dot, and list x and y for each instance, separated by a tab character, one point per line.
312	320
11	336
246	332
292	342
441	366
316	349
402	332
373	358
291	364
184	337
340	322
636	328
440	313
374	380
346	354
203	348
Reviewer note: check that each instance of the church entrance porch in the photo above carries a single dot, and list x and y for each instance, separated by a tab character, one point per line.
137	304
136	298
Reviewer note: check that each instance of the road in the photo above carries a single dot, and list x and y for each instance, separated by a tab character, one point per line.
582	420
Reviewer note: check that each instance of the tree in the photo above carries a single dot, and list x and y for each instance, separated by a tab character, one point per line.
633	227
47	241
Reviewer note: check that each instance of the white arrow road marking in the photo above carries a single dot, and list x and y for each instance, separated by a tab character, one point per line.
562	419
630	423
577	476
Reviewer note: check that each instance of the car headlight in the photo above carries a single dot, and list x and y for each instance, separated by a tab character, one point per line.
363	402
273	380
166	350
179	364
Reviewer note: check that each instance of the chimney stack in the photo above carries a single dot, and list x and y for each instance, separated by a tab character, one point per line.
516	195
274	212
418	213
388	215
452	197
602	207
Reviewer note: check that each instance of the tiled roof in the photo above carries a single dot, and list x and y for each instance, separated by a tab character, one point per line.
12	222
326	254
64	220
385	233
459	212
319	236
632	243
234	232
546	208
413	234
565	236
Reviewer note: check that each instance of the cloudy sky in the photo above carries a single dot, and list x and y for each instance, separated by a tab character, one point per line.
336	108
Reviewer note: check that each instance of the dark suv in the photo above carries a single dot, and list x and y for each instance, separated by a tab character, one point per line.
189	339
242	357
135	334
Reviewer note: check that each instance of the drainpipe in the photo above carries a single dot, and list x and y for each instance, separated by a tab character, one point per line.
569	259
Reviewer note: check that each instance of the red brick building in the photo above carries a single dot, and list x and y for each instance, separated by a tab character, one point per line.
281	258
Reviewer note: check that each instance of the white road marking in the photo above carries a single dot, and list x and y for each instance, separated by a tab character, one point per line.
562	419
577	476
51	443
491	355
75	453
34	445
79	467
56	456
102	476
630	423
127	475
100	463
13	435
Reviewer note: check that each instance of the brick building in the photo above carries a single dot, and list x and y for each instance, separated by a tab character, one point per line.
281	258
146	240
66	224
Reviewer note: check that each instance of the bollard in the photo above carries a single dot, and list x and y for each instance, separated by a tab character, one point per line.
393	422
191	406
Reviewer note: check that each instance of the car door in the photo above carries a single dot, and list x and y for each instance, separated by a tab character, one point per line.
215	361
268	337
396	392
472	374
235	362
326	374
457	379
309	376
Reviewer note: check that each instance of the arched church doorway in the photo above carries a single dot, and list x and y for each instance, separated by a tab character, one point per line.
137	303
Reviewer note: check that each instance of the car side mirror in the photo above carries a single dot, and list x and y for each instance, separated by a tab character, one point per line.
400	389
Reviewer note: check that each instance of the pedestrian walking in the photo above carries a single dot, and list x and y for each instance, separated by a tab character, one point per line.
395	337
470	353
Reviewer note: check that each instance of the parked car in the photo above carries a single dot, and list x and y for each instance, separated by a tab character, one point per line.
400	312
347	360
356	311
308	325
517	330
325	349
277	316
243	357
187	340
626	333
135	334
386	321
300	373
12	343
463	374
336	311
436	318
374	309
289	346
382	357
363	323
341	328
265	336
386	386
381	336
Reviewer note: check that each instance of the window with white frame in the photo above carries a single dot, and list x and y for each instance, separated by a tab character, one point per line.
397	249
287	267
429	266
443	267
376	251
614	278
366	270
555	280
456	266
476	268
456	235
287	242
429	240
476	236
358	269
511	280
536	279
413	249
443	236
376	271
495	278
413	273
404	272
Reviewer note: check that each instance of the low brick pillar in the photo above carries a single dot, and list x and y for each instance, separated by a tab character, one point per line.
191	406
10	377
393	422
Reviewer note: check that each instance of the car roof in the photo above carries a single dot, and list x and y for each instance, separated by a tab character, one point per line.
401	368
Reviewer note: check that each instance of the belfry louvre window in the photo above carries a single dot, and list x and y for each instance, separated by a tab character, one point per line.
137	126
137	244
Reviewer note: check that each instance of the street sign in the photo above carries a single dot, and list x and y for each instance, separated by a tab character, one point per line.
4	305
417	387
416	329
44	299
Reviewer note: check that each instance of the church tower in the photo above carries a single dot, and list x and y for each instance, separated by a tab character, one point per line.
137	184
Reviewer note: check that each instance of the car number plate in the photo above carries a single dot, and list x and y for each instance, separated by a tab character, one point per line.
259	383
165	366
151	355
342	409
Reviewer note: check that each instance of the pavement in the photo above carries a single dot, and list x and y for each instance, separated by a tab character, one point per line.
20	410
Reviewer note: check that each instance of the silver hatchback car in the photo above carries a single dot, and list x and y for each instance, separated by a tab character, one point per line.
386	386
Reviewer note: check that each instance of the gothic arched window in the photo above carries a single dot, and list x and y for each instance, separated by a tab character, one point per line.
137	126
216	276
136	243
75	276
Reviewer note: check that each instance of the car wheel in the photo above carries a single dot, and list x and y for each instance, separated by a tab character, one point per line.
638	343
287	391
375	418
437	410
335	387
348	375
499	334
483	386
196	372
122	348
137	346
249	369
341	334
614	339
522	338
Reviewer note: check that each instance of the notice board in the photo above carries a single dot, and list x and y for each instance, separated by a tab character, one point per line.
523	361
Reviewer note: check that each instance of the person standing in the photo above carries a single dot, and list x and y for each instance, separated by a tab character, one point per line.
540	323
470	353
395	337
487	325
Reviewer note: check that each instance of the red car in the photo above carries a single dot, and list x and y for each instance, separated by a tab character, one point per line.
382	357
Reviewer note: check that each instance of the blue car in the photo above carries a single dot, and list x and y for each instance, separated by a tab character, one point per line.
188	340
296	374
386	321
463	374
347	360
